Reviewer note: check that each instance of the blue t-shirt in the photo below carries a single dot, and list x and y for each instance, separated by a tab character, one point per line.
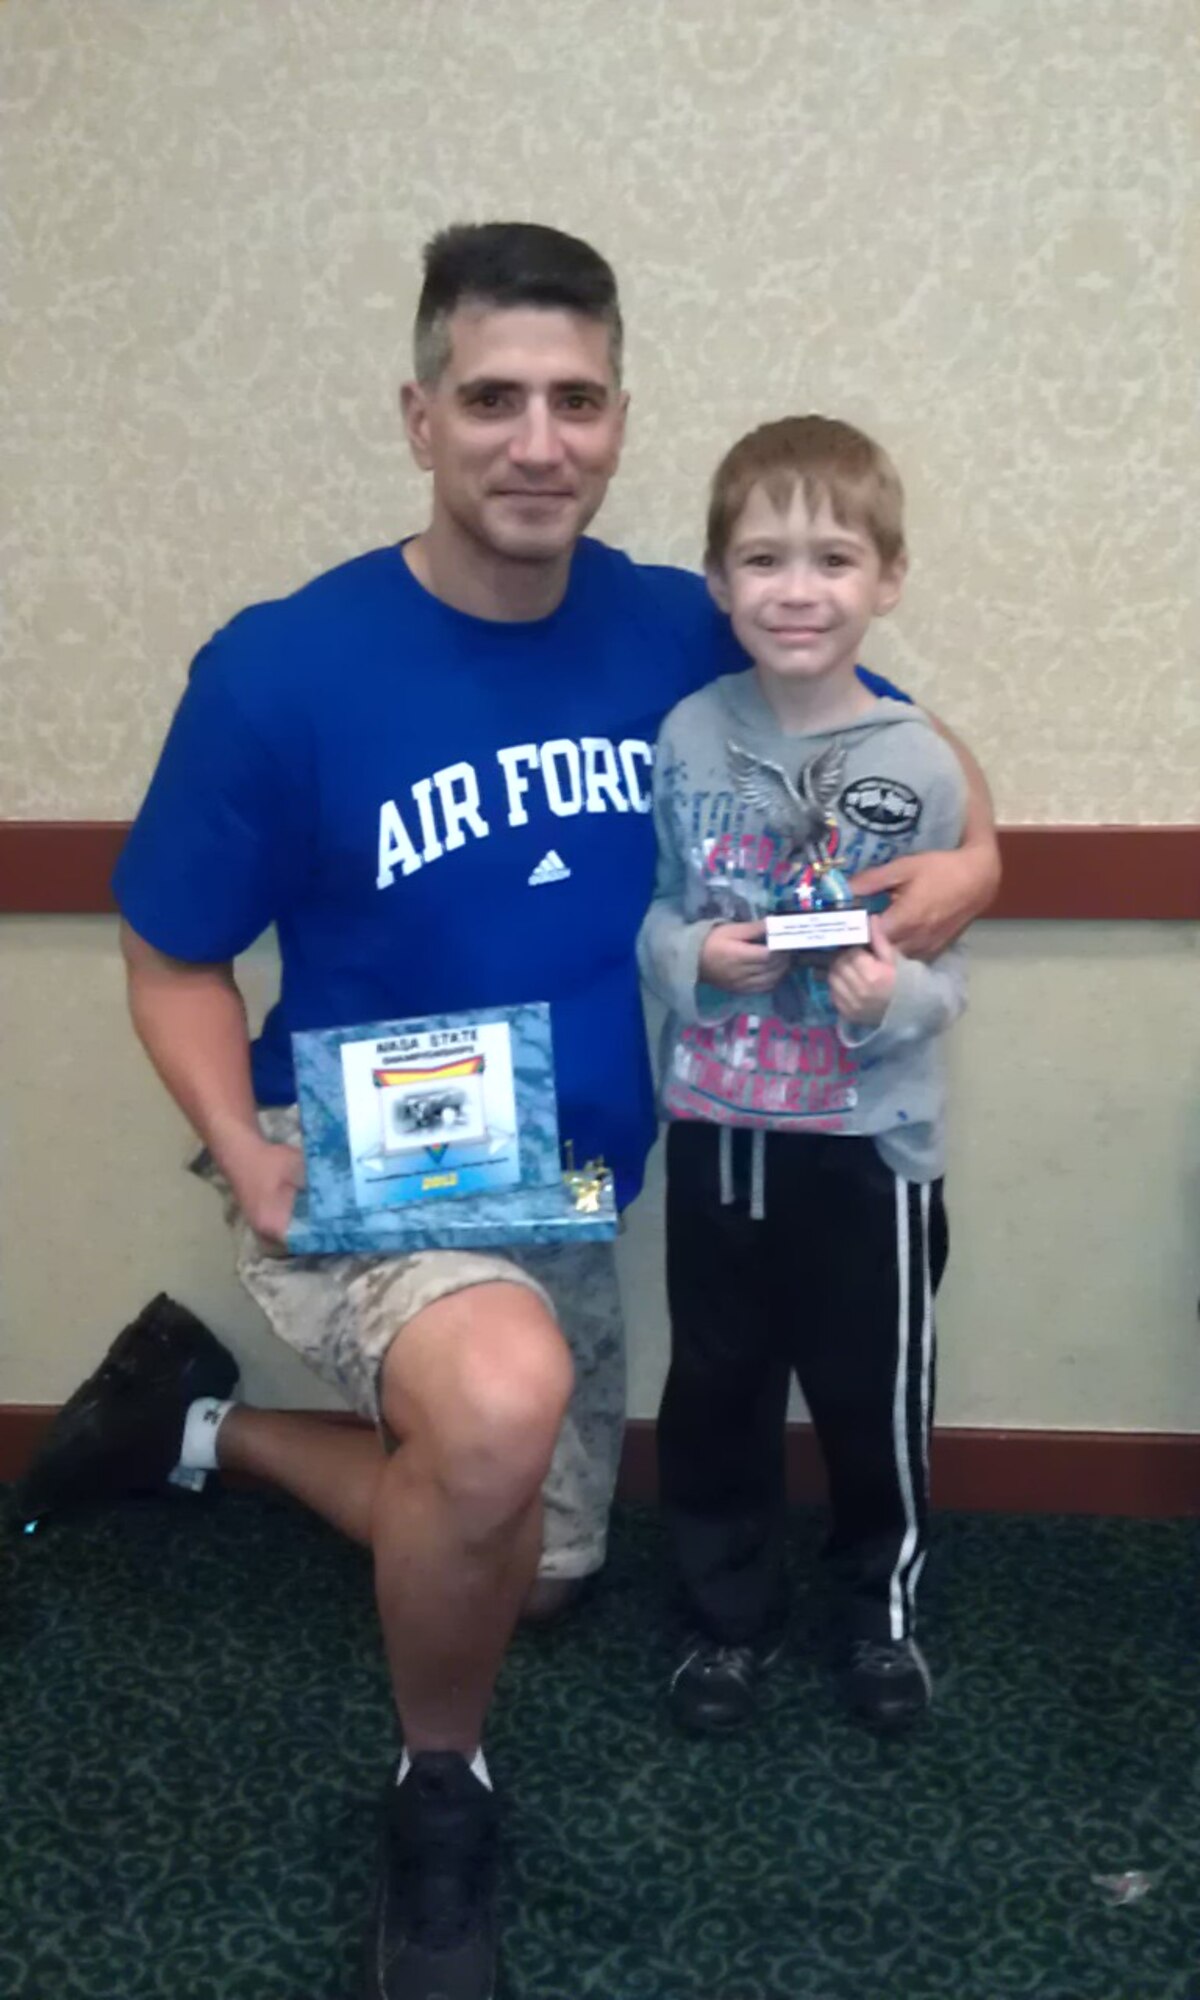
437	812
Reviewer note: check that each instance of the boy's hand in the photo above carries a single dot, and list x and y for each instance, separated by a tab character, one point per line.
861	981
934	896
734	957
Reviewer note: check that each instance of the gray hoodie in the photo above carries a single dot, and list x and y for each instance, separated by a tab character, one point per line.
785	1061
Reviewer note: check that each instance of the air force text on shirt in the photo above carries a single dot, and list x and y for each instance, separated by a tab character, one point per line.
590	774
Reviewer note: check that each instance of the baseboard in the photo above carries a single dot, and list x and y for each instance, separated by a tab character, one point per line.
1142	1474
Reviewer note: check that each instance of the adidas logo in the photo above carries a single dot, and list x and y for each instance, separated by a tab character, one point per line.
551	868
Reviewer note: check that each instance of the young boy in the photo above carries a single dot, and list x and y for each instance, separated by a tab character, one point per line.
805	1226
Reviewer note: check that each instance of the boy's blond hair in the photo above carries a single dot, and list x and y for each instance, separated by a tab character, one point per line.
831	460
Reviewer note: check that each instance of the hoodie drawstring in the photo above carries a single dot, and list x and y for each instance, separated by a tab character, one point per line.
758	1174
725	1163
758	1169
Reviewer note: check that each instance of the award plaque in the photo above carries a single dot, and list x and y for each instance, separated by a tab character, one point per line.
438	1133
814	909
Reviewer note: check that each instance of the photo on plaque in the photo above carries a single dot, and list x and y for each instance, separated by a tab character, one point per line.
430	1112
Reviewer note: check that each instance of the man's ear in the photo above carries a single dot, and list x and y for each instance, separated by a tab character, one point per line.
718	589
414	411
891	586
622	424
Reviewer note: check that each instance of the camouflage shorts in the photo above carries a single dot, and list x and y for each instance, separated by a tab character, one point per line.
341	1314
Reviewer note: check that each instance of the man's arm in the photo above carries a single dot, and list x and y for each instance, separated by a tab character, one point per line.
191	1021
936	895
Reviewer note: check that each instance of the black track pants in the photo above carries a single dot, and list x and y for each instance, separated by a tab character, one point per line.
835	1282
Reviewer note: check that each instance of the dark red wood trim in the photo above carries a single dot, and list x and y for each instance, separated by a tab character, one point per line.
58	867
1143	1474
1100	871
22	1428
63	867
1148	1474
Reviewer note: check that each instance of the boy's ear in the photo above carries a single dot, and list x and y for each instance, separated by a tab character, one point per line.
718	589
891	586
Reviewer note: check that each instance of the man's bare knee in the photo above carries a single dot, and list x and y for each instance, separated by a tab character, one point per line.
478	1384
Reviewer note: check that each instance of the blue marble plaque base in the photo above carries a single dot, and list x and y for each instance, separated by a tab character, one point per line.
482	1222
469	1160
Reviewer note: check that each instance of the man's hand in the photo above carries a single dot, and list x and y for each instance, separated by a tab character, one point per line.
735	958
264	1178
934	896
861	981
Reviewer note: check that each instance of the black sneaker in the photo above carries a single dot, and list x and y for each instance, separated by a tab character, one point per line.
122	1429
714	1689
886	1683
433	1936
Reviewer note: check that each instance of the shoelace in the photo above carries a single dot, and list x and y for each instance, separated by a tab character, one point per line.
443	1895
711	1658
443	1882
882	1656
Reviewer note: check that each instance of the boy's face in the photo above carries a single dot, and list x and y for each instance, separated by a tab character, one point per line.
801	589
522	430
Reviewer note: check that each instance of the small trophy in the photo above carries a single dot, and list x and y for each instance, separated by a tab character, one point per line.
814	909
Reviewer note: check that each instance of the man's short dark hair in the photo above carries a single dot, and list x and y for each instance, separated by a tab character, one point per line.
509	264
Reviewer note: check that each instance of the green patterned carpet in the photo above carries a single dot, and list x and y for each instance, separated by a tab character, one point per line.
194	1723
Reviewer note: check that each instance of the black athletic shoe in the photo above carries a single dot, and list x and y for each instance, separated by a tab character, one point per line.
714	1689
886	1683
433	1936
122	1429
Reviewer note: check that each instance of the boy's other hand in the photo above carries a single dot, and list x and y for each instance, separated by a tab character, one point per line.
861	981
735	958
934	896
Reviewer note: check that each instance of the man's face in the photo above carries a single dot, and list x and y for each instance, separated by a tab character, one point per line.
522	431
801	588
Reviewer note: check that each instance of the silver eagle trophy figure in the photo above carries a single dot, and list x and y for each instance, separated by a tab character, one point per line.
814	906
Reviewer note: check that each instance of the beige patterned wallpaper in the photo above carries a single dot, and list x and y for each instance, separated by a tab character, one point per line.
972	224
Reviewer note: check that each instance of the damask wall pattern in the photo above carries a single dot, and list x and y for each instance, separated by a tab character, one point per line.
972	225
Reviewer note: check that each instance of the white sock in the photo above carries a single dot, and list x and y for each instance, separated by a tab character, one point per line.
198	1452
478	1766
